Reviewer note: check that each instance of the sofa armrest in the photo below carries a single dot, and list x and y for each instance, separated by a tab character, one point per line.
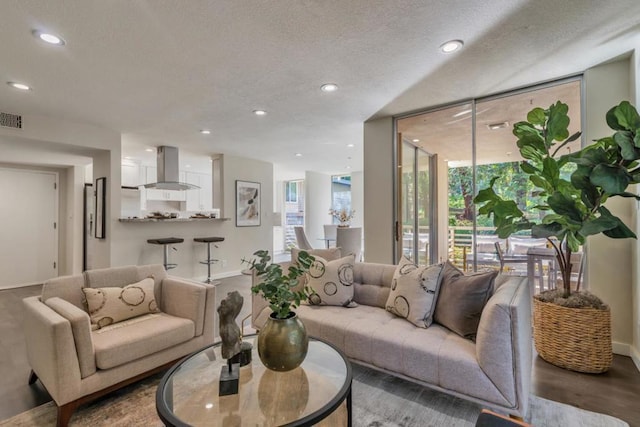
51	350
81	329
186	299
503	342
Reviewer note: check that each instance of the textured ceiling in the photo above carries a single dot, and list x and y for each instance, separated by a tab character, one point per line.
159	71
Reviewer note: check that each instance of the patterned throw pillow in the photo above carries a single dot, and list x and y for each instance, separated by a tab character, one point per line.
114	304
462	298
331	282
414	291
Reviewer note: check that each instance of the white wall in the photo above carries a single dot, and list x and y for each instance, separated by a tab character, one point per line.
317	202
635	287
378	190
609	261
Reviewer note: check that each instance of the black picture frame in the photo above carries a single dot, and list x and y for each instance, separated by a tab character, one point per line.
248	203
100	208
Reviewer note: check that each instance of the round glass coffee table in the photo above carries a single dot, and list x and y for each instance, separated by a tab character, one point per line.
319	389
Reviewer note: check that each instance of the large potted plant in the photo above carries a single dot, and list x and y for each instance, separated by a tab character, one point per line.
283	341
571	329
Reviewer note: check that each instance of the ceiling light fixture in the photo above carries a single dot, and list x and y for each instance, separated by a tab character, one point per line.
347	167
149	150
451	46
20	86
496	126
329	87
259	112
462	113
298	154
350	145
49	38
205	132
415	140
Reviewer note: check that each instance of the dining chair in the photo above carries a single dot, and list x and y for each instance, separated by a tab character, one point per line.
330	233
349	240
301	238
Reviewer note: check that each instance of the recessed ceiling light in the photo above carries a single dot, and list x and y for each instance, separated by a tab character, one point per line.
415	140
462	113
496	126
20	86
149	150
329	87
209	405
49	38
259	112
451	46
350	145
347	167
205	132
298	154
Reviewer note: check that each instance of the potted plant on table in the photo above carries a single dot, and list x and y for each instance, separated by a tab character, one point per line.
571	329
283	341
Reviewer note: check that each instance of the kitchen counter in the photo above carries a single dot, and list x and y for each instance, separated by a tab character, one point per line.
172	219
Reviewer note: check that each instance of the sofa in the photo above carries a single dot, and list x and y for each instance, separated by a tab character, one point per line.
78	360
494	370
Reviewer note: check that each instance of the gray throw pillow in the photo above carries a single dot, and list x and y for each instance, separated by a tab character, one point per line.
414	291
462	298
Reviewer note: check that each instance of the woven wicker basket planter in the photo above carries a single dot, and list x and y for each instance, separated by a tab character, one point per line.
578	339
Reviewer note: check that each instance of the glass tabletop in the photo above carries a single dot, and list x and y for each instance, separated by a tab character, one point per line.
189	392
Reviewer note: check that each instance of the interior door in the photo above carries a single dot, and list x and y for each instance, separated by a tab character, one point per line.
28	227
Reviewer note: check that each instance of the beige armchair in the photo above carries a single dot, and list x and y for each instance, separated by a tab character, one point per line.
77	362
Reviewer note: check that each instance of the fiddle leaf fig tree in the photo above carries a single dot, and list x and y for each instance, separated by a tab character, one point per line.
277	288
573	209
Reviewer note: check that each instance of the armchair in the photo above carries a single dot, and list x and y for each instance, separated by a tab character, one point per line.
78	362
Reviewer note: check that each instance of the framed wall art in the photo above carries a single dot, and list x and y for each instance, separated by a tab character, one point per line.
100	207
247	204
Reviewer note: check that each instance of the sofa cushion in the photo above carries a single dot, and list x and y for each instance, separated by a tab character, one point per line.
462	298
114	304
414	291
331	282
69	288
132	339
372	283
114	276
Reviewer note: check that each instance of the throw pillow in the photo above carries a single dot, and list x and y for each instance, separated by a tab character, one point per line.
414	291
114	304
331	282
329	254
462	299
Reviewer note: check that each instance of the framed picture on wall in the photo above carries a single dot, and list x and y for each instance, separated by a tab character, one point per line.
247	204
100	207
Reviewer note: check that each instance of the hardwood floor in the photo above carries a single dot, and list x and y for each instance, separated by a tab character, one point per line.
615	392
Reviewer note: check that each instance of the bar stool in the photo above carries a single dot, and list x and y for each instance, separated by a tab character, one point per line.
166	242
208	261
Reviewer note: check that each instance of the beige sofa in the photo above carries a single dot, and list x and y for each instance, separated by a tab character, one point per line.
494	371
77	364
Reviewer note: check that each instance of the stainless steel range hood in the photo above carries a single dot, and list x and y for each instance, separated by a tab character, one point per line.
168	171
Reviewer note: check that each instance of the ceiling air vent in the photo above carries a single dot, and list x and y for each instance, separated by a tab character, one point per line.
8	120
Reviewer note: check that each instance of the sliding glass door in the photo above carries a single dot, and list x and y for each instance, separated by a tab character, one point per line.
444	156
416	209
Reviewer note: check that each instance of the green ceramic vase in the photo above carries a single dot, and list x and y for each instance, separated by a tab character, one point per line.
283	343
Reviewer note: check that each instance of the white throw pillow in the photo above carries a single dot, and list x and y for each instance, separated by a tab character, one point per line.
414	291
114	304
331	282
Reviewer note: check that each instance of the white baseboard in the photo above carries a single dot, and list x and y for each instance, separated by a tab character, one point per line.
635	356
622	349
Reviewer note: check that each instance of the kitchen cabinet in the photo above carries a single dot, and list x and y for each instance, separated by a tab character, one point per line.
166	195
130	175
200	199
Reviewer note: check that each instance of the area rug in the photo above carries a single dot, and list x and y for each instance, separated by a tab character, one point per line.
379	400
